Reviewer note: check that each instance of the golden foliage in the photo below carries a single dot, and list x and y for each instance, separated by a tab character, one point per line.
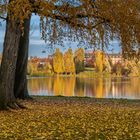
79	55
38	69
19	10
69	62
72	118
99	60
58	62
32	68
79	60
106	19
133	66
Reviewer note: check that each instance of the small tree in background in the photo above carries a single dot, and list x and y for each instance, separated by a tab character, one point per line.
99	60
79	60
132	66
69	62
117	69
58	62
32	68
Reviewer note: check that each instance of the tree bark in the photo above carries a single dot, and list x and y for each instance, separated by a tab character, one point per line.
20	87
8	64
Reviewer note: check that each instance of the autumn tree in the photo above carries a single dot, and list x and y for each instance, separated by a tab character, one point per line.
79	60
20	86
32	68
106	20
10	54
132	67
107	65
99	60
58	62
117	69
69	62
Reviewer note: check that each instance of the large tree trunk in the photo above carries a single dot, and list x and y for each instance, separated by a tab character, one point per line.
8	64
20	88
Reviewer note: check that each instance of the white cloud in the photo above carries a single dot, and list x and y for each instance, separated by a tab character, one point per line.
37	42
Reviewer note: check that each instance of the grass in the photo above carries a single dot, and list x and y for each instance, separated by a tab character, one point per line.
87	73
63	118
43	74
92	74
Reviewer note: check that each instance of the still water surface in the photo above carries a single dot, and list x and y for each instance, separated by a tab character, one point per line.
99	88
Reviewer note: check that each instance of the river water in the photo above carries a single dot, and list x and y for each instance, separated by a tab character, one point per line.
89	87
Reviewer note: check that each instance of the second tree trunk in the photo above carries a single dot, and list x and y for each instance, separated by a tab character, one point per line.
20	88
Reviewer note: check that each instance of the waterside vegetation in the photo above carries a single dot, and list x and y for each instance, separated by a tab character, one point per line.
95	64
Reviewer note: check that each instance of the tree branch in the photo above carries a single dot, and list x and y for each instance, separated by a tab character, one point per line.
69	21
3	18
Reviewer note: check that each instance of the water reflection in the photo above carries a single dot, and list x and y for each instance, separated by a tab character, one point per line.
99	88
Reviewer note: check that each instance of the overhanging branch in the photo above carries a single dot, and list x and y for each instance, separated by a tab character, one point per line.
69	21
3	18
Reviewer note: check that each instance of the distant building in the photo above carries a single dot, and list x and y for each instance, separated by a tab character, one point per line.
115	58
40	61
90	58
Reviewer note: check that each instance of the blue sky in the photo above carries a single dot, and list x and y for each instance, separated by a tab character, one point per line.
37	45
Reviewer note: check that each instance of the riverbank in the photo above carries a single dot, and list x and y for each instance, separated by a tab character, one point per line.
72	118
83	75
87	73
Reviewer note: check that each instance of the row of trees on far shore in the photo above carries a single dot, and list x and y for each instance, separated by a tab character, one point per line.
67	63
71	63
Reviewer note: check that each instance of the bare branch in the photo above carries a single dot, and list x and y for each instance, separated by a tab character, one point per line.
3	18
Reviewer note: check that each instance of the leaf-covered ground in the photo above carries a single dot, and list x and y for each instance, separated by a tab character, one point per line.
62	118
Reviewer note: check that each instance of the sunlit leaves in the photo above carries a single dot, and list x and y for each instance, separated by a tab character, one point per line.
73	118
79	54
58	62
79	60
92	22
69	62
99	60
19	10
